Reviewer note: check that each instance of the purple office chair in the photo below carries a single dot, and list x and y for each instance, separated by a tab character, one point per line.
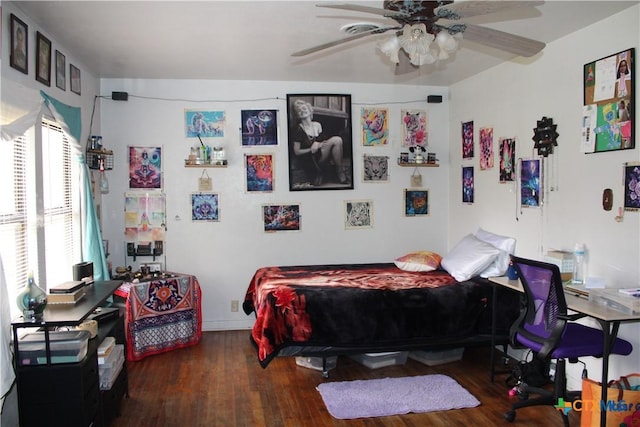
545	327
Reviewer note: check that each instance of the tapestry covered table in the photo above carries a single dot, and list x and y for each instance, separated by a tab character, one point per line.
162	315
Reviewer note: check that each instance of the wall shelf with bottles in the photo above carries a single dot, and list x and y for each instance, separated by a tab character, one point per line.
417	165
95	156
206	165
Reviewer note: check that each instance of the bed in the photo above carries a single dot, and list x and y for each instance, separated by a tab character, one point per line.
365	308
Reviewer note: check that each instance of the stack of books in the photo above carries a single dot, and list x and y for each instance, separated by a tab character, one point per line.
67	293
104	349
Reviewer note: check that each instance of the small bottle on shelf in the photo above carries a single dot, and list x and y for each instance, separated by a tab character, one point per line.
104	183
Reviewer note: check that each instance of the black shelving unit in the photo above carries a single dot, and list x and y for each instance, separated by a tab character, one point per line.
68	394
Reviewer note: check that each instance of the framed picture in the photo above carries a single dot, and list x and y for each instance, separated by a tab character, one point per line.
507	160
145	167
416	202
468	184
486	148
204	124
19	56
530	178
259	127
205	207
61	71
320	142
259	172
43	59
467	140
608	118
358	214
374	125
281	218
414	128
74	78
144	217
375	168
632	186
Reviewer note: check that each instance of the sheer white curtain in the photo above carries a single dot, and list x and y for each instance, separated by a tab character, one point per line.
6	364
69	118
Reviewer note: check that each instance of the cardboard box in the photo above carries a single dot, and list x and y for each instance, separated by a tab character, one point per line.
564	261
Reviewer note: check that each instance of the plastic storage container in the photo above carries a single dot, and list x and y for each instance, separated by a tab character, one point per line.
316	362
381	360
434	358
65	346
109	370
613	298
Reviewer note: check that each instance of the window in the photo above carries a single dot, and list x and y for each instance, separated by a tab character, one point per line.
39	208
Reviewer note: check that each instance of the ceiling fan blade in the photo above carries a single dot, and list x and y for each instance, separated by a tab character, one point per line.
508	42
366	9
470	8
343	40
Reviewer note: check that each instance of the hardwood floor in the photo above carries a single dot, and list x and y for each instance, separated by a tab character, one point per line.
220	383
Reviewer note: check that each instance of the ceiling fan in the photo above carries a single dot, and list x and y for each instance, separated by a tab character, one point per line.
427	31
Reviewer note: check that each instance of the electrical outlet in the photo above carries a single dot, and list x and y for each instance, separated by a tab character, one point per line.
235	305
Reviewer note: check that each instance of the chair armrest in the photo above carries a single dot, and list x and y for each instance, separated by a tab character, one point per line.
571	317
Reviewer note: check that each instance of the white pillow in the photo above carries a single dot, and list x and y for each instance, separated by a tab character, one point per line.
506	245
468	258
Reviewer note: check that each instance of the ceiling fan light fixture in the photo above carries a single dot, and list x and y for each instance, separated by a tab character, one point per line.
454	43
415	39
390	47
429	57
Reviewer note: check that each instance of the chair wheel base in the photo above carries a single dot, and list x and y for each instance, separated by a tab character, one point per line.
510	416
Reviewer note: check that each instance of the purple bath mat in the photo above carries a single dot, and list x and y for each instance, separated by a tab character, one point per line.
394	396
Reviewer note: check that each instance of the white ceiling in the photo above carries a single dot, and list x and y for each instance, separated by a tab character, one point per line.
253	40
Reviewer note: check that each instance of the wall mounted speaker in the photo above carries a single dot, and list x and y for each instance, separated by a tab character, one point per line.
434	99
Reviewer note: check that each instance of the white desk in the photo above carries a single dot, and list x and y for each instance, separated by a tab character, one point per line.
609	319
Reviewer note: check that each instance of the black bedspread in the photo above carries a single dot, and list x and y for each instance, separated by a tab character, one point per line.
362	307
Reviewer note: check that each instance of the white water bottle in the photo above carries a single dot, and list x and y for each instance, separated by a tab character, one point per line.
578	263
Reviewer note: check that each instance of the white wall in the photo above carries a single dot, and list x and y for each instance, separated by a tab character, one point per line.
225	254
511	98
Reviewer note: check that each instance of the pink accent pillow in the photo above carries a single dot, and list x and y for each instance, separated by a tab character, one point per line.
418	261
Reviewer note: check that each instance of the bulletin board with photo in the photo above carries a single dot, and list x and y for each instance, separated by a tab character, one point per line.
609	86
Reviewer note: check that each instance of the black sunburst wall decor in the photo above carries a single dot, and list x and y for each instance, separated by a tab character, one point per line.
545	136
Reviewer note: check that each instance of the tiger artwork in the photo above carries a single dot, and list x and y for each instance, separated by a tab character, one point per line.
375	131
358	214
375	168
415	128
